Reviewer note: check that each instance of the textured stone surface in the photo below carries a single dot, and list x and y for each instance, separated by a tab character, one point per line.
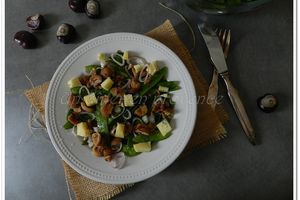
260	61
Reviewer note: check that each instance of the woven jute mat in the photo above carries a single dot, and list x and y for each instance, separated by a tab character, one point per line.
208	129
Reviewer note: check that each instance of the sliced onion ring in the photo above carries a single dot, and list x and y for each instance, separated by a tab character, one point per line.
83	87
114	116
113	131
127	84
74	131
127	68
137	60
141	77
95	129
136	119
113	58
127	114
118	160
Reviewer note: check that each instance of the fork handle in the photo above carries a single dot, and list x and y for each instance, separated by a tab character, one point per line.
239	108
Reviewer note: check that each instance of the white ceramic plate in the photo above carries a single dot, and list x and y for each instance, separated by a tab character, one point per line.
137	168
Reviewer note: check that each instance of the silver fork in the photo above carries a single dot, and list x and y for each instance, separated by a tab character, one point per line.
225	37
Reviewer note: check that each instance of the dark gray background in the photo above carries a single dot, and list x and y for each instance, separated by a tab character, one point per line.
260	61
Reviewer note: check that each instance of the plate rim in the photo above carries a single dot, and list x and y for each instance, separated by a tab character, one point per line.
192	115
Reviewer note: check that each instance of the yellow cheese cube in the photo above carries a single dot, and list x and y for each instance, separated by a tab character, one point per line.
102	57
138	68
142	147
164	127
120	130
165	95
163	89
107	84
125	55
128	100
74	82
83	129
152	68
90	99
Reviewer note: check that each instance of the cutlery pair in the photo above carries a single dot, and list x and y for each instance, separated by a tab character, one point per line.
224	37
218	53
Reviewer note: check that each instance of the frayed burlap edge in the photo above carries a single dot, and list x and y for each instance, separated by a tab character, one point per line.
75	180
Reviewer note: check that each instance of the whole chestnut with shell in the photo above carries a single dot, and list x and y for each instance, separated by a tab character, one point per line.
92	9
66	33
77	5
267	103
25	39
35	22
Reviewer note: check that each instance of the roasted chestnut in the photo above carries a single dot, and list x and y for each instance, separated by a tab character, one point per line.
106	72
66	33
77	5
267	103
92	9
25	39
35	22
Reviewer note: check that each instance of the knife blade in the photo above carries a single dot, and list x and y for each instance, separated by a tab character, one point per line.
214	48
217	56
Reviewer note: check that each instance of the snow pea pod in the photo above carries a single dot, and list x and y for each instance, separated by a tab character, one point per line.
172	85
154	81
68	125
128	149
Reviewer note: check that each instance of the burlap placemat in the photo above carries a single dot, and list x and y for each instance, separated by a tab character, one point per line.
208	128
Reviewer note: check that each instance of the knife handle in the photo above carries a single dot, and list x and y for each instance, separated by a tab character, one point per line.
239	108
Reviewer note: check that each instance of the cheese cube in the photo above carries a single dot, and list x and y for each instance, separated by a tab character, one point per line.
164	127
107	84
152	68
163	89
103	59
125	55
128	100
90	99
120	130
138	68
83	129
165	95
142	147
74	82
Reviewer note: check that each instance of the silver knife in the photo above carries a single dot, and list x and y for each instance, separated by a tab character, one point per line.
217	56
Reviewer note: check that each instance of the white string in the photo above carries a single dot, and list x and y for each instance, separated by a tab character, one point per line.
35	121
34	124
36	118
29	116
31	83
185	20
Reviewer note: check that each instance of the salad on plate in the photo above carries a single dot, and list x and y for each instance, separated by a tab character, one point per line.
121	106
